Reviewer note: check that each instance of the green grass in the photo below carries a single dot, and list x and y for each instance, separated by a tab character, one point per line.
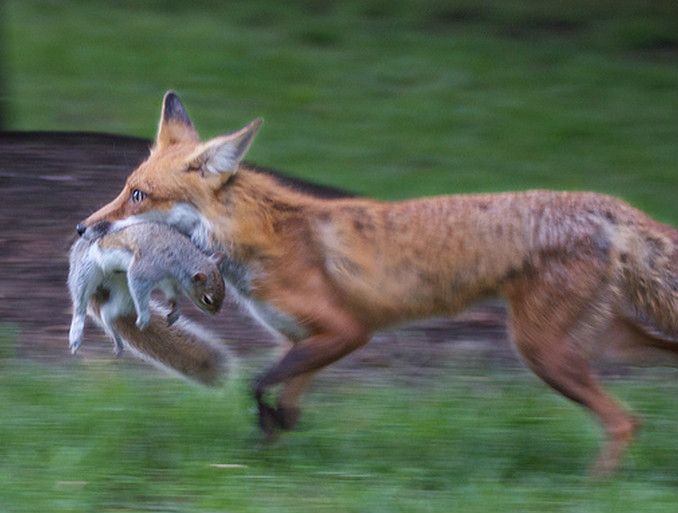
392	99
101	437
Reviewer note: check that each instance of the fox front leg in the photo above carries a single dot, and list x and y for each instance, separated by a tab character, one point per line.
305	357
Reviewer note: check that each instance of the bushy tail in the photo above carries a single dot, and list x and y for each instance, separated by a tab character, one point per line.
184	348
648	265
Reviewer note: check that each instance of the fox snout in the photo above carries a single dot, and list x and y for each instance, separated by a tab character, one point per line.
93	232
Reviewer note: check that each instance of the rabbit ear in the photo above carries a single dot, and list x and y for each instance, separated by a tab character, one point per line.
175	125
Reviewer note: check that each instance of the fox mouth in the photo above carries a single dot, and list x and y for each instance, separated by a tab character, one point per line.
93	232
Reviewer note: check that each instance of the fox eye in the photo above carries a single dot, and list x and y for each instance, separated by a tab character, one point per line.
207	300
138	196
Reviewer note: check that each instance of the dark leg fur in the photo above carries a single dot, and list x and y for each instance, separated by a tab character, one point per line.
295	369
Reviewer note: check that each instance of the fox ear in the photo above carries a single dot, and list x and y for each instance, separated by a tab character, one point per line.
221	156
175	125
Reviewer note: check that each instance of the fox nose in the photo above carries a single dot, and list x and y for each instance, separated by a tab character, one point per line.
80	228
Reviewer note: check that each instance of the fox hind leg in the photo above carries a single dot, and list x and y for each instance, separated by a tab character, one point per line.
552	324
568	372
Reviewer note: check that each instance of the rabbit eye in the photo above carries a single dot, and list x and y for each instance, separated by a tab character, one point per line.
207	300
138	196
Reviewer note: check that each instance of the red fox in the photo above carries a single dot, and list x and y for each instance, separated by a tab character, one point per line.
584	274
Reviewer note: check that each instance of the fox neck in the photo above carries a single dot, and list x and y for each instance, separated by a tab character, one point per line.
242	220
240	224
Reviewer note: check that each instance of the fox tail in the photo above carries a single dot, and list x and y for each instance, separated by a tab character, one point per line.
649	283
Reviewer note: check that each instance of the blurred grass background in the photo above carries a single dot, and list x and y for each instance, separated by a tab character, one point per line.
388	98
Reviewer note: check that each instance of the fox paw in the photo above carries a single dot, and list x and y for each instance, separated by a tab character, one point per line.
273	420
287	417
269	422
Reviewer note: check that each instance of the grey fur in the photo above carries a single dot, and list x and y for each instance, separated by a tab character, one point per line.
153	256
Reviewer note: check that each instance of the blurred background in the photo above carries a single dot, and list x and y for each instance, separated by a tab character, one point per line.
390	99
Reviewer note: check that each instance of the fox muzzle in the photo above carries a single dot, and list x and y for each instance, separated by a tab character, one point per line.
93	232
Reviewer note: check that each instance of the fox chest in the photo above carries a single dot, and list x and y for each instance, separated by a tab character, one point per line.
240	280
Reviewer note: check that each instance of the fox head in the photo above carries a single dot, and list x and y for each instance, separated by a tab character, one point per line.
177	183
